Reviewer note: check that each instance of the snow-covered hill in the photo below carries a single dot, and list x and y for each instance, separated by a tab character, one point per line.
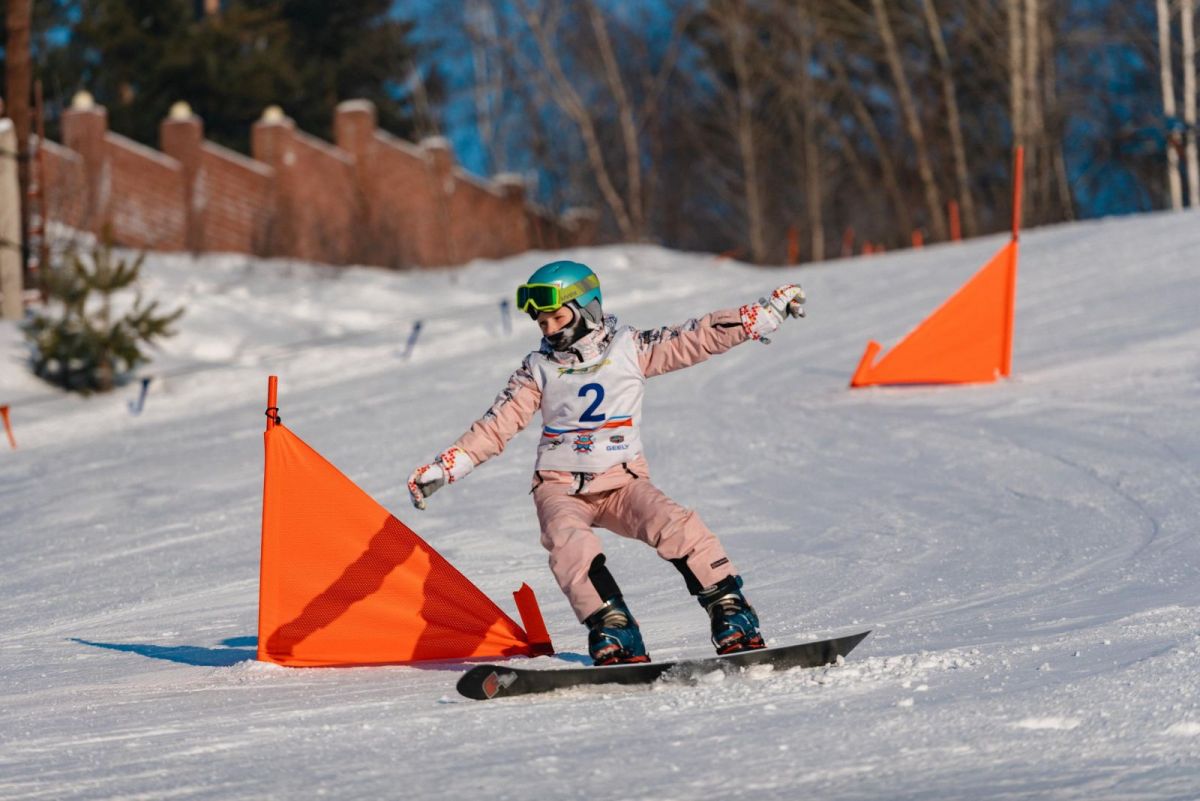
1026	552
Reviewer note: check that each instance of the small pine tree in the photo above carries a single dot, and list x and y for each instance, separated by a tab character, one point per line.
83	349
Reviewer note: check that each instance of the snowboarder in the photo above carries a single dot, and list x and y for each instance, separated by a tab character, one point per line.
587	378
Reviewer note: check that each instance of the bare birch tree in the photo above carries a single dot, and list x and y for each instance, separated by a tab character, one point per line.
887	168
730	18
1034	164
953	122
933	196
628	214
1167	82
1187	27
812	159
1016	81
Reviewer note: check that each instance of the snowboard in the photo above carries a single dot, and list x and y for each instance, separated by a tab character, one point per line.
485	682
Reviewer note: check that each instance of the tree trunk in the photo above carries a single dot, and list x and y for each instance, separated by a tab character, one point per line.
1056	158
812	159
565	95
1034	121
933	197
20	83
953	121
1167	80
891	183
737	40
1016	80
629	128
1188	10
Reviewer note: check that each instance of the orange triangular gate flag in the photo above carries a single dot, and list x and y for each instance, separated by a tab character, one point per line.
343	582
968	339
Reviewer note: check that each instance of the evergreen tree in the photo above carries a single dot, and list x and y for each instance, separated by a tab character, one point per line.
138	57
83	348
349	50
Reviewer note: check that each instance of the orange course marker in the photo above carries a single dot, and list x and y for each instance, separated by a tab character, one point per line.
343	582
967	340
8	427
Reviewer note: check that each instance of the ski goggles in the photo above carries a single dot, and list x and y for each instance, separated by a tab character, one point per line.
535	298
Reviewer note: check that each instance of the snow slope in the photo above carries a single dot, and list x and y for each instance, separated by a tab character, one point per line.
1025	552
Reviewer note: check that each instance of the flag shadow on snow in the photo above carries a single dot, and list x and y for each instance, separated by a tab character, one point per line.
196	655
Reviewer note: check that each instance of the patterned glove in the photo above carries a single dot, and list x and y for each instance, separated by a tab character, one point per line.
448	467
764	317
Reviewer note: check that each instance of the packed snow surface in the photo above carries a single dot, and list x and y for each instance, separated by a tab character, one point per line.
1025	552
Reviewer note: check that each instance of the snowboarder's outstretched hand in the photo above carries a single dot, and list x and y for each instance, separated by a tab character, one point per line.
764	317
448	467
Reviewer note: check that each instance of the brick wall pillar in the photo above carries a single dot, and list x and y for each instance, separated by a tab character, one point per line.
84	128
582	225
181	136
354	125
271	143
437	245
515	226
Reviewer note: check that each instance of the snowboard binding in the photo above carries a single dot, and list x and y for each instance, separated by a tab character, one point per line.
613	635
734	622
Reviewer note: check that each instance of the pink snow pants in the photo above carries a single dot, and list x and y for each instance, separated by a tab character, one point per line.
638	510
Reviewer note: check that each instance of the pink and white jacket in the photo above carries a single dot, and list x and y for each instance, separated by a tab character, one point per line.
590	398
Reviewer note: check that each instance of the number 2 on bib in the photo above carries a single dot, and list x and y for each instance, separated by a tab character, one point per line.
589	415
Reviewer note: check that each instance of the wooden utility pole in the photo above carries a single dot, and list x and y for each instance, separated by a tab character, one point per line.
19	22
10	224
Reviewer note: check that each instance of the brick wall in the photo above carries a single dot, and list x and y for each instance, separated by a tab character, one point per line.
145	196
229	198
65	185
133	191
371	199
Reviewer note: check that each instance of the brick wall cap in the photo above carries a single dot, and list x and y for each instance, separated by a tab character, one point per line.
234	157
273	115
436	143
579	214
484	184
59	151
181	111
116	140
392	140
328	148
358	104
83	101
506	179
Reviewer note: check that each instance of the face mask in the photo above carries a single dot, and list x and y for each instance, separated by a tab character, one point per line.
570	333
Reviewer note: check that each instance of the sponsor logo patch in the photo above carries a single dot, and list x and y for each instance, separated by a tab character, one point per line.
595	368
616	439
719	562
584	443
495	682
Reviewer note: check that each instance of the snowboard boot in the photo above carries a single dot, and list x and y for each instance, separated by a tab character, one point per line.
613	635
734	623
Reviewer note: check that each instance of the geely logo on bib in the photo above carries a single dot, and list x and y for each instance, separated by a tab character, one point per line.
595	368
